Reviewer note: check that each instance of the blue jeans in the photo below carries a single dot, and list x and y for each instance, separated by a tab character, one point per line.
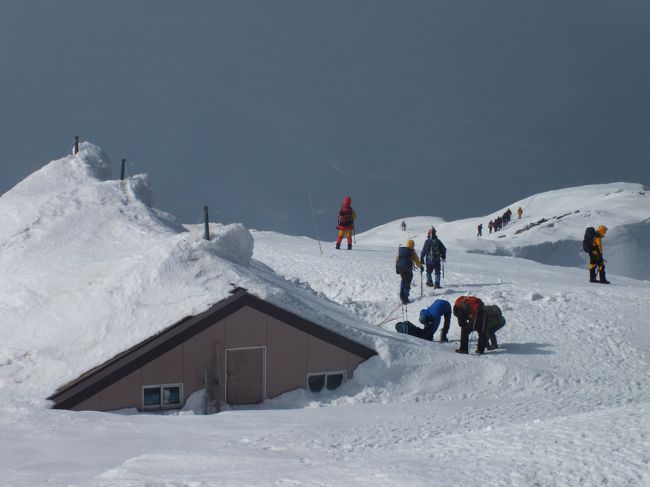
431	267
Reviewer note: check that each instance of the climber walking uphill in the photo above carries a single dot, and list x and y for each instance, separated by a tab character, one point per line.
406	259
345	223
430	318
593	244
433	251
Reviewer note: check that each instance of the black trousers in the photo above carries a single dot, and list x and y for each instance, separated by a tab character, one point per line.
466	330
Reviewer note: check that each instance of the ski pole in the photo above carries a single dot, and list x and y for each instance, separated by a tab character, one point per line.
421	291
469	340
354	235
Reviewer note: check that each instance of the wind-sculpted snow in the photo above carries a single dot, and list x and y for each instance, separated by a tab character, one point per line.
552	228
88	267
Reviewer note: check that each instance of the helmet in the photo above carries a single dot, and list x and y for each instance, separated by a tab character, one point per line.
347	201
410	244
602	229
423	318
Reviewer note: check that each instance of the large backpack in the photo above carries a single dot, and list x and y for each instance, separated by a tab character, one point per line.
472	301
434	248
404	260
345	216
493	316
409	328
588	240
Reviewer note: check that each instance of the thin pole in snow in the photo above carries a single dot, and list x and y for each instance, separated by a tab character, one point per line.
122	170
311	204
76	145
206	233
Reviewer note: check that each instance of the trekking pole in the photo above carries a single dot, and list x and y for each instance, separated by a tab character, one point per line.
443	269
469	339
421	291
354	235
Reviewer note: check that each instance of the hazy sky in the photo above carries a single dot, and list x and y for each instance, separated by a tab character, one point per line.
449	108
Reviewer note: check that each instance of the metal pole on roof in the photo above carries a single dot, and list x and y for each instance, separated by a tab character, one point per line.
206	397
76	145
122	170
206	234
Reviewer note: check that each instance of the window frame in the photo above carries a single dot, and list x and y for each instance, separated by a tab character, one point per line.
327	373
161	406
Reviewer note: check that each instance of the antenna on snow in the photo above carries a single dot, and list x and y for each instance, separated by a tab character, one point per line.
76	145
206	233
122	170
311	204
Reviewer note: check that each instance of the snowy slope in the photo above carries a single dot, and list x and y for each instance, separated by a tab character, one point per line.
94	270
551	229
89	267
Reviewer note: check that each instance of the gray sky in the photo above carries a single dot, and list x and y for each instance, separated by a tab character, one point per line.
449	108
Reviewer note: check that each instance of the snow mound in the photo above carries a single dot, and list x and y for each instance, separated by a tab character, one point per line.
95	268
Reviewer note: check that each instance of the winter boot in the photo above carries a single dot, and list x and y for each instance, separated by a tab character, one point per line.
492	344
338	245
349	246
603	279
592	275
443	337
461	350
429	283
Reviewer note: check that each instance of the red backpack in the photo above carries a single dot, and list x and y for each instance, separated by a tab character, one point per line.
345	216
472	301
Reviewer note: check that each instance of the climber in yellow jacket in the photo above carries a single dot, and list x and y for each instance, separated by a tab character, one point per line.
596	260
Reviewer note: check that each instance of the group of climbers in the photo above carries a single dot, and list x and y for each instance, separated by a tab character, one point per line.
501	221
433	254
472	314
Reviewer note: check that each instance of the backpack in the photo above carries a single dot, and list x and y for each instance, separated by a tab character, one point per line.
345	216
409	328
404	260
472	301
434	248
588	240
493	316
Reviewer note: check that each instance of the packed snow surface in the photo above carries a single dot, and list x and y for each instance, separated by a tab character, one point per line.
88	268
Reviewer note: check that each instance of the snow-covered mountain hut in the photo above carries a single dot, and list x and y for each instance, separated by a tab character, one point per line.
240	351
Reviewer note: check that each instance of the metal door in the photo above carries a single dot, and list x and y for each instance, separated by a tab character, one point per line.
245	375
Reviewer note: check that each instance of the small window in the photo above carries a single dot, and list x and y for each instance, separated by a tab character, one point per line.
167	396
316	382
171	396
334	380
151	397
329	380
